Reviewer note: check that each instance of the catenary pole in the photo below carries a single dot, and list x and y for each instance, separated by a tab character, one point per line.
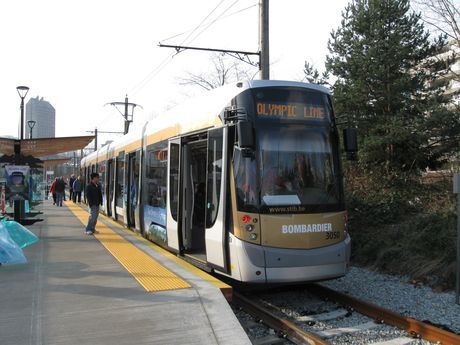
126	115
264	44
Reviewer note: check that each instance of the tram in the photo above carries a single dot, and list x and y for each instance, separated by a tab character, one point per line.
245	181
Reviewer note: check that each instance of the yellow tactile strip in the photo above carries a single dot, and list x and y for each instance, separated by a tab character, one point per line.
148	272
226	289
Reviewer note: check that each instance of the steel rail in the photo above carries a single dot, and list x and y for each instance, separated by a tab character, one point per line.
290	330
414	327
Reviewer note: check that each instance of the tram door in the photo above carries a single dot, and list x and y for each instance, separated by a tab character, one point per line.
216	178
132	189
110	186
172	199
193	198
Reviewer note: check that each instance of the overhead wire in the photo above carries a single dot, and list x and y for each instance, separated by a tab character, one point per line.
168	59
215	20
165	61
224	17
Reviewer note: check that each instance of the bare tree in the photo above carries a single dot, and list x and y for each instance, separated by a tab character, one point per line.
222	70
443	15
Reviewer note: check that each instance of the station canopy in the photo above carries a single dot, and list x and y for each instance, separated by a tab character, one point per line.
52	162
42	147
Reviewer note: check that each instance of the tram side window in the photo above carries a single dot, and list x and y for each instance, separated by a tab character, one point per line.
157	164
120	186
174	180
215	139
102	176
245	172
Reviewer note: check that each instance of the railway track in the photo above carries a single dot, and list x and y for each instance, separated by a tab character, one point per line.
322	327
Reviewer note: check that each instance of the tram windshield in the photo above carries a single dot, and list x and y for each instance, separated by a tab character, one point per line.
294	168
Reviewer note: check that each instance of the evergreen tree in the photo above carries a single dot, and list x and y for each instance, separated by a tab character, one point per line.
388	85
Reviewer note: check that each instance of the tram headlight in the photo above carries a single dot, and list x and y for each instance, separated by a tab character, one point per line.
253	237
249	227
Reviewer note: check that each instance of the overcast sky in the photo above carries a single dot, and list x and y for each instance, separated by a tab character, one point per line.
80	55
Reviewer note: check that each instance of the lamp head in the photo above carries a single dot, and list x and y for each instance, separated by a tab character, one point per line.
31	123
22	91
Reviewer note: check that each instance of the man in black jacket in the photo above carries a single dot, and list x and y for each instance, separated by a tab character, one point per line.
71	181
93	194
60	191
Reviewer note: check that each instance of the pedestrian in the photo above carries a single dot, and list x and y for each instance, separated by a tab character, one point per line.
53	190
77	187
60	191
65	184
71	181
93	194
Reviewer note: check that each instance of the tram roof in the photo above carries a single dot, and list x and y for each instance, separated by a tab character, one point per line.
194	114
203	111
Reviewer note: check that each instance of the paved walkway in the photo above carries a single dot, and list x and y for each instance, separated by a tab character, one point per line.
73	291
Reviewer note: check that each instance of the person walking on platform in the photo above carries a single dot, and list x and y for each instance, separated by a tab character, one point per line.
71	181
60	191
93	194
77	187
53	190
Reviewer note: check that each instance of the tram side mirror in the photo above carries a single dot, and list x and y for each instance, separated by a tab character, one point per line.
350	142
245	135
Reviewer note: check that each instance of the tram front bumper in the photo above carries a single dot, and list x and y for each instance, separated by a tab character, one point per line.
300	265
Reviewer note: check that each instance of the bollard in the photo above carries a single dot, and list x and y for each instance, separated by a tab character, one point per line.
457	282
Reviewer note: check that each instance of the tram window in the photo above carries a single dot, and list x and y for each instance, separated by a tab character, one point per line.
102	176
156	173
245	172
174	180
120	186
110	179
215	139
296	167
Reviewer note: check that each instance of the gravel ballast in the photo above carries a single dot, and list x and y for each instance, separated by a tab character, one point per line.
392	292
397	294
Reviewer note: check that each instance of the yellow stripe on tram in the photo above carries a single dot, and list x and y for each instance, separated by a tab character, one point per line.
148	272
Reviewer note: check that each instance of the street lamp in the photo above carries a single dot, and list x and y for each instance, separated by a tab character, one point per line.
22	92
19	205
31	124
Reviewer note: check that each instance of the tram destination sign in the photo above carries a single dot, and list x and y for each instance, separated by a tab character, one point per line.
291	111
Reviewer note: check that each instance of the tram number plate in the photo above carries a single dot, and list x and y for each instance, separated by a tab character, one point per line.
332	235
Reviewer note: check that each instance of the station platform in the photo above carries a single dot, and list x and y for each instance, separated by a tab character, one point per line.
111	288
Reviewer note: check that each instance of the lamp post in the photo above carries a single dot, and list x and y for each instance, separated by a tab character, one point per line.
19	205
31	124
22	92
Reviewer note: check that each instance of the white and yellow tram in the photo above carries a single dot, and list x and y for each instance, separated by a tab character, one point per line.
245	181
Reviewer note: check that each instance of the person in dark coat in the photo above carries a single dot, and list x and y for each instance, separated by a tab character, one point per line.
71	181
60	191
77	189
93	194
53	190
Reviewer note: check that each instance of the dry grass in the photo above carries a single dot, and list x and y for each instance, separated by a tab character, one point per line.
403	224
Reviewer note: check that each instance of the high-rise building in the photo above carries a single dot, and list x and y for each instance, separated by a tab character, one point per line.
44	114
